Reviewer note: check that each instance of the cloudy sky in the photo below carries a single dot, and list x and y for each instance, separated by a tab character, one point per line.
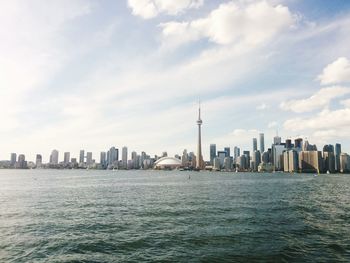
80	74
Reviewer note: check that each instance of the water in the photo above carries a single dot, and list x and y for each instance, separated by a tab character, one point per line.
138	216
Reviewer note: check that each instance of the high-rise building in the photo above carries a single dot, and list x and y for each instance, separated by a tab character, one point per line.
212	153
247	158
227	163
38	160
344	163
184	158
13	159
310	161
54	157
236	153
125	157
113	157
337	156
66	158
262	142
221	156
291	163
277	156
228	151
81	156
255	144
277	140
103	160
199	162
298	143
256	159
22	163
288	144
89	158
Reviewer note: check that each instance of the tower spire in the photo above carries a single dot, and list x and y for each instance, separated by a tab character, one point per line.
199	159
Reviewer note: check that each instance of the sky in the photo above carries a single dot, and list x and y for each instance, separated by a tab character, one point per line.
80	74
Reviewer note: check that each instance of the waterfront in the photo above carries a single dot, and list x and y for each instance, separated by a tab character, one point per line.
109	216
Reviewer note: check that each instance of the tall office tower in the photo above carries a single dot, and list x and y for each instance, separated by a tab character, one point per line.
221	156
290	159
288	143
125	157
103	160
228	151
212	153
54	157
329	161
262	142
277	140
199	160
337	156
134	159
236	152
13	159
255	144
247	158
89	158
265	157
256	160
184	158
277	151
81	156
66	157
38	160
298	143
113	156
22	163
227	163
310	161
344	163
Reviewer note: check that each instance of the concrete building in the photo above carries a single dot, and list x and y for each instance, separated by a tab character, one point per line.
262	142
22	163
54	157
81	156
199	162
227	163
38	161
310	161
255	144
256	160
89	161
290	161
212	153
125	157
337	156
13	159
66	158
277	154
344	163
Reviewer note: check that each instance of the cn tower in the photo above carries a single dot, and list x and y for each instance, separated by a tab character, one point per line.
199	161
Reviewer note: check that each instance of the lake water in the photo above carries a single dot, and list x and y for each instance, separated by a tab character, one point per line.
140	216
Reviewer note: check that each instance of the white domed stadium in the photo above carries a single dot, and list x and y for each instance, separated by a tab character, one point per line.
167	163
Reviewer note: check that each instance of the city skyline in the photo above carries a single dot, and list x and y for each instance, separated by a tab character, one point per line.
115	73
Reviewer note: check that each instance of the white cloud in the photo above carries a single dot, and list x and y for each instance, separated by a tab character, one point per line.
319	100
151	8
336	72
231	23
262	106
325	120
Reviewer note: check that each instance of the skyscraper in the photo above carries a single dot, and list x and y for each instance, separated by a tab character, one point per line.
262	143
236	153
13	159
81	156
337	156
125	157
89	158
255	144
38	160
103	159
66	157
199	161
228	151
212	153
54	157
